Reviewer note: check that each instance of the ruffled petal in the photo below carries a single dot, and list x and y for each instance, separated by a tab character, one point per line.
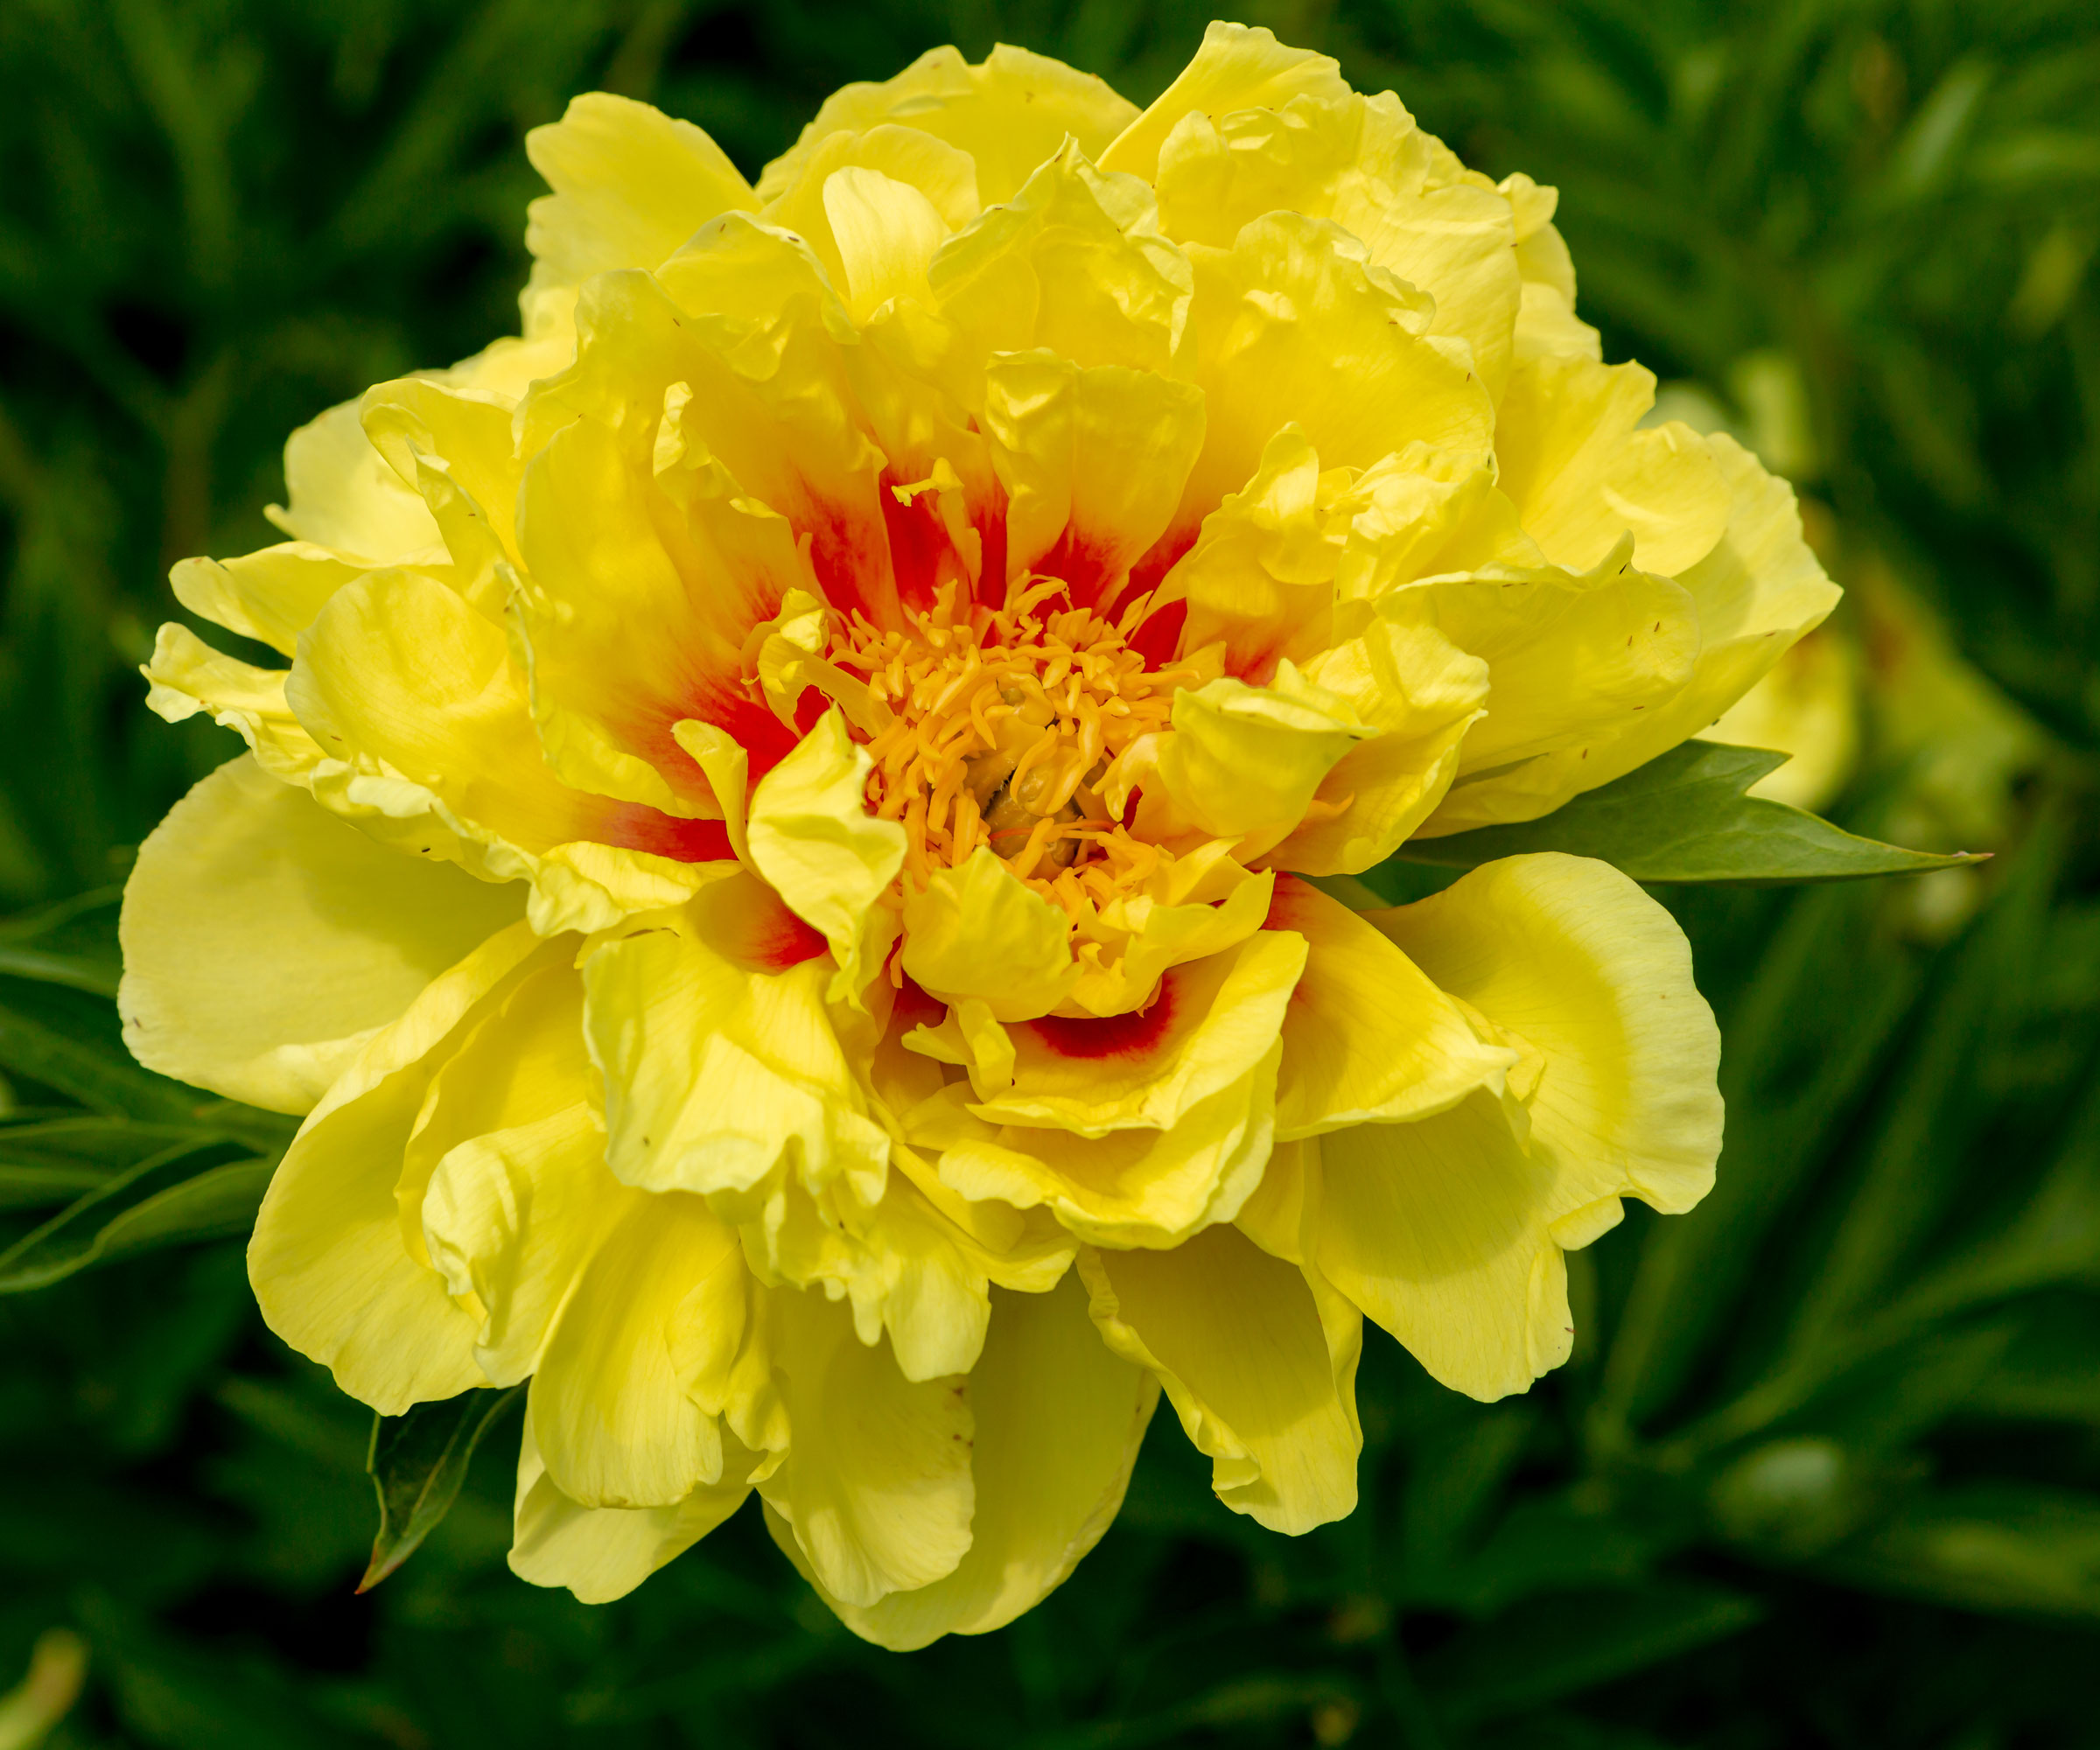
270	595
1211	1022
328	1262
813	839
1581	475
609	1405
1237	67
720	1059
1262	1374
1368	1035
1292	322
1093	461
1583	966
601	1553
1069	265
1059	1420
265	940
978	932
344	496
630	185
875	1496
1010	113
1449	1232
1567	653
1757	593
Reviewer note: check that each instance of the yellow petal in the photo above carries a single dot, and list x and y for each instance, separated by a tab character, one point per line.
1212	1022
265	942
1449	1232
886	232
1010	113
185	675
1567	653
1245	762
736	347
1069	265
454	445
1424	512
1093	461
1438	1231
1327	153
875	1496
610	1412
1260	579
720	1059
813	839
509	1219
874	206
345	497
1132	942
503	1187
977	931
270	595
1059	1421
417	693
1411	681
630	185
1581	475
622	649
1262	1375
1131	1187
1577	960
601	1553
1756	593
1368	1035
1236	68
328	1263
1291	323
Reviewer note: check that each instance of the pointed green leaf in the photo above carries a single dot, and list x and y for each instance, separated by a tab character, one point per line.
418	1463
1686	816
164	1200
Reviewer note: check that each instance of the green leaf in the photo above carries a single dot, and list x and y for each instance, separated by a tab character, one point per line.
1685	816
164	1200
97	977
1988	1546
52	1036
1548	1648
70	943
418	1463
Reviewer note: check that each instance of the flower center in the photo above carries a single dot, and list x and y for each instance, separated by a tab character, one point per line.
1006	728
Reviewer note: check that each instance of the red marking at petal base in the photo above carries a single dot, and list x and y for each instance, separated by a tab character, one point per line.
786	940
636	827
1288	901
766	740
921	555
1158	640
914	1008
1159	558
1085	568
1129	1035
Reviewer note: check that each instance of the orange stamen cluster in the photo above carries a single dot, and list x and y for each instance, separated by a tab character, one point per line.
1004	728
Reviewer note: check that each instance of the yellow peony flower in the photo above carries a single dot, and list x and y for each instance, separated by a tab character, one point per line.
777	873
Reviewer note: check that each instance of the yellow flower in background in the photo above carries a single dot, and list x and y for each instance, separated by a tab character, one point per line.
782	873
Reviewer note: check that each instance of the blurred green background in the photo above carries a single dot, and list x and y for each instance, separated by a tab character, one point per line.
1825	1468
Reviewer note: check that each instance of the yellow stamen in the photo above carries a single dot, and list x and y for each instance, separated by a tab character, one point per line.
1003	725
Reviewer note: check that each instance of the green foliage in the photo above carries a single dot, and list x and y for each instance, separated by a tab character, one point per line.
1825	1467
1687	817
418	1463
